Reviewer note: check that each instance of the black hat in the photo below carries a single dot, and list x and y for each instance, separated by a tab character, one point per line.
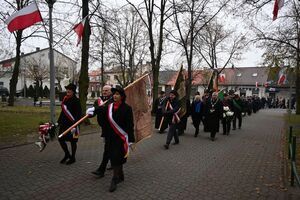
162	92
72	87
118	89
174	92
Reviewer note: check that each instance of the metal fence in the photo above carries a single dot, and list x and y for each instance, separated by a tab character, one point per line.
292	158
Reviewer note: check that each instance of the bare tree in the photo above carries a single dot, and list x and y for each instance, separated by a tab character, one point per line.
190	17
152	19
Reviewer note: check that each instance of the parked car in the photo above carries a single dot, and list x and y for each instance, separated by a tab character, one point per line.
3	91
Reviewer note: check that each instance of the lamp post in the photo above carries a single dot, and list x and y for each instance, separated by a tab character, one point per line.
51	58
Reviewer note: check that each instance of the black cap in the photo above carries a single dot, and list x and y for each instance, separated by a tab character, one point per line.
72	87
118	89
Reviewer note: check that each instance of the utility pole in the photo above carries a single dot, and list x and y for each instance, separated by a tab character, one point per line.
51	58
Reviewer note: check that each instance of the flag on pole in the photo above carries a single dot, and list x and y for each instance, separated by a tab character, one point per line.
24	18
136	97
256	84
78	28
222	78
179	87
277	6
282	76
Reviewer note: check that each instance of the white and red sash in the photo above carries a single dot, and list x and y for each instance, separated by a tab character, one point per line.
100	101
118	130
70	117
176	118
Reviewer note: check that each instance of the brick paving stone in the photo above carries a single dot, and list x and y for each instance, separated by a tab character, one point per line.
247	164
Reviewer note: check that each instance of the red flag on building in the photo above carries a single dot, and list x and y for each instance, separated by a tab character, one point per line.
222	78
282	76
78	28
136	97
277	6
24	18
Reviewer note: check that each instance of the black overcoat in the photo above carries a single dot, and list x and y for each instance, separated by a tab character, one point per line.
213	111
123	116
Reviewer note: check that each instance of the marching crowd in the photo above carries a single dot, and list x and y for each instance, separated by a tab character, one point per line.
115	117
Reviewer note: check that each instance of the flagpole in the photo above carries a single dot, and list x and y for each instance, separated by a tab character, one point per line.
86	116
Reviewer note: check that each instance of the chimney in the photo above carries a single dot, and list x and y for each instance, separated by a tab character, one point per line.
37	48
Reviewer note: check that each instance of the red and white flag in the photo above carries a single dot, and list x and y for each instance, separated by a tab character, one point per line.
24	18
78	28
256	84
282	76
277	6
222	78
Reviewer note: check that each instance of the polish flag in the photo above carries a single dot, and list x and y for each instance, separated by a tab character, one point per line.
277	6
222	78
256	84
24	18
282	76
78	28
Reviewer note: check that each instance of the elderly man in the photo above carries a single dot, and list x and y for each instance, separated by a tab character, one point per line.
104	99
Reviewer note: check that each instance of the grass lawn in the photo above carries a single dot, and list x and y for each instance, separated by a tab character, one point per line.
19	124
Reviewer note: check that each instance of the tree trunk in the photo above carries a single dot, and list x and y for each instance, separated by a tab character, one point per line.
83	77
14	79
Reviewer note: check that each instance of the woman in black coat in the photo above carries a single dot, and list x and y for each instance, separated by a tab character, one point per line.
70	114
117	121
213	111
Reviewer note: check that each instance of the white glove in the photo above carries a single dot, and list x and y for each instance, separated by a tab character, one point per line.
73	130
90	111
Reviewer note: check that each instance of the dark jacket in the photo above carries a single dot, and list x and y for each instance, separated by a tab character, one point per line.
100	119
158	106
73	106
168	113
213	111
123	116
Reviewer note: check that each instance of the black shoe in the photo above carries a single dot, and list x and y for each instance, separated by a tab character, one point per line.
98	173
233	128
113	186
212	139
175	143
64	159
239	127
71	161
195	135
166	146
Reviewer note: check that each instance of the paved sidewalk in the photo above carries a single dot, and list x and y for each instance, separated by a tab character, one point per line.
247	164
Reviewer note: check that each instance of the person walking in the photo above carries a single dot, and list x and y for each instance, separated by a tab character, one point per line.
213	111
237	109
170	110
70	114
118	125
196	113
227	114
158	106
105	99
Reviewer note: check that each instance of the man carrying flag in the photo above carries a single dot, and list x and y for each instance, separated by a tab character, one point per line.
24	18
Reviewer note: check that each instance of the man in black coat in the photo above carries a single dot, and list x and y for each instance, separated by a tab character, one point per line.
158	106
170	112
105	99
212	114
70	114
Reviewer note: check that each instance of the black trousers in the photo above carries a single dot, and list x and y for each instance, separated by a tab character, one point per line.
239	117
105	158
226	126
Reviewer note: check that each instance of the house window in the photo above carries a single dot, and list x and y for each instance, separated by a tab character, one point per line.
254	74
239	74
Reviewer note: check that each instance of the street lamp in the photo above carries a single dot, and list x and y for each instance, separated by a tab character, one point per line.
51	58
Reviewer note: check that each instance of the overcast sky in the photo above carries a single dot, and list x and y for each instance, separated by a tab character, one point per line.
251	58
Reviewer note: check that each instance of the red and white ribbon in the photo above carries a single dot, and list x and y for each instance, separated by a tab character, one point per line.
118	130
176	118
70	117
